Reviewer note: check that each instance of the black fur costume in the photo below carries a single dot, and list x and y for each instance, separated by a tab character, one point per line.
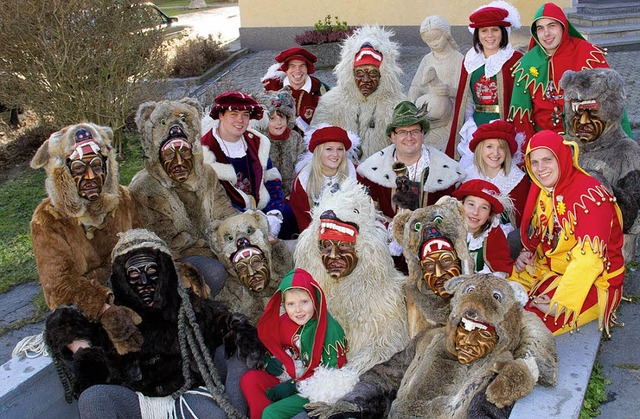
173	330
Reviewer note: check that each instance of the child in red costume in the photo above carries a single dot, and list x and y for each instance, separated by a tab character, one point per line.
483	205
299	341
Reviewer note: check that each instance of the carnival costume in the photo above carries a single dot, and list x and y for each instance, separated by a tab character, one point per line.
73	236
181	334
368	301
346	107
608	153
486	84
287	147
246	171
294	352
537	102
575	234
178	212
489	250
300	200
307	97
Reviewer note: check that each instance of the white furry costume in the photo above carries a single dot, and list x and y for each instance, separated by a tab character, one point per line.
347	108
369	303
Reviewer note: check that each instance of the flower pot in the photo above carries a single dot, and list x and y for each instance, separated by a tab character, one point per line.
328	54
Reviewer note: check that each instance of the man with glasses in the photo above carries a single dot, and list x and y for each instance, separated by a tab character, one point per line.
429	173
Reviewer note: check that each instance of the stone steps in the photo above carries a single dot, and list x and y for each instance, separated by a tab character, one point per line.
609	24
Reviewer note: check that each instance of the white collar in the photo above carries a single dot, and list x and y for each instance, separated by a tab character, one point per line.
306	87
505	183
474	60
475	243
233	150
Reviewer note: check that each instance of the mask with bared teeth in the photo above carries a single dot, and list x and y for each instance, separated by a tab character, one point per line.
337	240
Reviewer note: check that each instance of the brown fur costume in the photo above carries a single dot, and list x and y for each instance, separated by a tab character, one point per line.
613	158
427	381
369	302
425	309
252	225
179	213
73	237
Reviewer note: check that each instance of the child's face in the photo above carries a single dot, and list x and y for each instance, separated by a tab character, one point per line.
277	124
298	305
476	212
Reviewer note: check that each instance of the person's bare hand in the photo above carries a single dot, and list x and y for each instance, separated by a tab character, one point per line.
524	259
542	302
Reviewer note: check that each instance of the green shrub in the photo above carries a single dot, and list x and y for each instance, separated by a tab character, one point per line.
595	395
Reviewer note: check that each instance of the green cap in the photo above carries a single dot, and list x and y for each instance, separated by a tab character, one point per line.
406	114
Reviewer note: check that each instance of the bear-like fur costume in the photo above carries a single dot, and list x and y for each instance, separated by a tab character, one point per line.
368	303
426	380
72	237
346	107
425	309
156	370
253	226
613	158
178	212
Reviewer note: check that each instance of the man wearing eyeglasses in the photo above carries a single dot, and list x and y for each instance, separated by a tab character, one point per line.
430	173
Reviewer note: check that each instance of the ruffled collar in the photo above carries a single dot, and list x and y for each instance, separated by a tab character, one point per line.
474	60
504	182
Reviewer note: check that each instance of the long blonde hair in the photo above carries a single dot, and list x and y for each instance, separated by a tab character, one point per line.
482	166
316	178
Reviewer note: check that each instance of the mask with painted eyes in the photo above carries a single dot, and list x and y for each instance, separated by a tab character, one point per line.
177	159
474	344
586	122
142	277
438	260
89	173
251	265
338	257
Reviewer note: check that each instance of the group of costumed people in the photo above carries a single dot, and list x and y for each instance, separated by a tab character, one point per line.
313	251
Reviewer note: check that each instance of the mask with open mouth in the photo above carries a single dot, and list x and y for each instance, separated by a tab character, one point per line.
474	340
251	265
439	262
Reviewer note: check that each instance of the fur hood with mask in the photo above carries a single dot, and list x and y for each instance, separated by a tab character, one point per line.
432	378
369	302
71	236
613	158
179	212
346	107
62	189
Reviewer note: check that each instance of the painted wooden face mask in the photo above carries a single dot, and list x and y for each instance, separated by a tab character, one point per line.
251	266
176	156
337	240
474	340
439	262
586	122
142	277
86	166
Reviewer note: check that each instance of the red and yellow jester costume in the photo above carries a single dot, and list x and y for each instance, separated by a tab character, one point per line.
575	233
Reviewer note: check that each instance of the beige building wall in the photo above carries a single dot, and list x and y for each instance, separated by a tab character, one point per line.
272	24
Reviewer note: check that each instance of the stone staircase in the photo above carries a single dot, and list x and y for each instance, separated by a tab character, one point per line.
611	24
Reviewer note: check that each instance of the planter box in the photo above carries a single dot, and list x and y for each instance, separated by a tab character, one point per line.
328	54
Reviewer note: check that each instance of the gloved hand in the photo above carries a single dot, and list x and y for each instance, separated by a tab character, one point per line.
273	366
120	324
275	223
281	391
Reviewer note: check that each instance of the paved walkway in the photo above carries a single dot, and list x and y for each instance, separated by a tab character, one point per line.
620	356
